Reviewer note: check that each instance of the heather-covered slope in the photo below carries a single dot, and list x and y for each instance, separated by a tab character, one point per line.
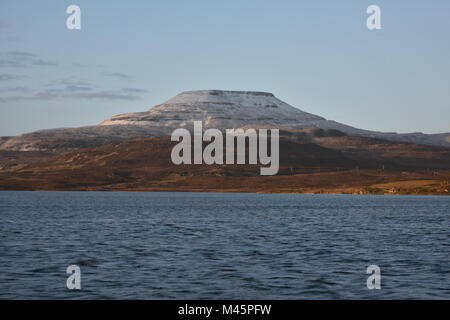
310	161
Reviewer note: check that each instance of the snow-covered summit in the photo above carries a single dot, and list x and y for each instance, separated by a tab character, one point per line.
218	109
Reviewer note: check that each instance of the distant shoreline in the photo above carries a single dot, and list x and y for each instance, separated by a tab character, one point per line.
223	191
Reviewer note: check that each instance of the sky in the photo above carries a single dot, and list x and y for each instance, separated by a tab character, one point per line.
317	55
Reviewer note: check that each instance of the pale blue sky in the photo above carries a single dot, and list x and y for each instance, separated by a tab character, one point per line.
316	55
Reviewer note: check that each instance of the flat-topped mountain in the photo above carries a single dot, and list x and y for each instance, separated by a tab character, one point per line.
219	109
215	108
132	152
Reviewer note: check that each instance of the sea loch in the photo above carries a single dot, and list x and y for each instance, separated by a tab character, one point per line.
132	245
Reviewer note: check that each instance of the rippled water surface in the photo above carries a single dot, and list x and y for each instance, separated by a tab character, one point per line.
220	246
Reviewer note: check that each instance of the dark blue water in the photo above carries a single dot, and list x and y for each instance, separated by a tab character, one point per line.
214	246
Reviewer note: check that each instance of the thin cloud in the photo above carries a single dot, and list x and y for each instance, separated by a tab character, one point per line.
12	63
68	82
22	54
70	93
15	89
41	62
10	77
78	88
75	82
117	75
23	59
79	65
134	90
107	95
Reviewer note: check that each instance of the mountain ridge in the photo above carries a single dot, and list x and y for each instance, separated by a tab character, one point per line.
215	108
